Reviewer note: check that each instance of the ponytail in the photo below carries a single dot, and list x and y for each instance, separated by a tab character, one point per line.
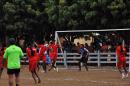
32	51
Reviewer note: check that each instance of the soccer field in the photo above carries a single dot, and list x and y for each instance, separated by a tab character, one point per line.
69	77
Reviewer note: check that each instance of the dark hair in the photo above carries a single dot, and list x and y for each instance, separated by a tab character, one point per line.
119	42
32	51
121	47
30	47
82	45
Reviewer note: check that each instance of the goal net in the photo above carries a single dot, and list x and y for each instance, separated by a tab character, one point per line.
100	42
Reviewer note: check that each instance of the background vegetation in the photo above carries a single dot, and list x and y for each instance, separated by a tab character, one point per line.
42	17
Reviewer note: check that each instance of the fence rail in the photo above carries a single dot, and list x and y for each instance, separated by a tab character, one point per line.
94	58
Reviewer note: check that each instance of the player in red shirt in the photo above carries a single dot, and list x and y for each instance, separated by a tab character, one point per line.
33	61
2	50
1	59
42	55
121	56
53	54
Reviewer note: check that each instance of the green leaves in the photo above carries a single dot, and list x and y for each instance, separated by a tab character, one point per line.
69	14
21	14
9	8
117	5
90	15
93	5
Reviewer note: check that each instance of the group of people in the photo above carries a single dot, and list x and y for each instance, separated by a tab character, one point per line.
47	53
121	58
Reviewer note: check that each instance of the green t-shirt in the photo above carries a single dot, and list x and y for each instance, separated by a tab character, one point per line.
13	54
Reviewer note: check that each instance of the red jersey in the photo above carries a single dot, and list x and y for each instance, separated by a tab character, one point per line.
119	52
42	52
1	58
121	57
32	58
53	51
54	47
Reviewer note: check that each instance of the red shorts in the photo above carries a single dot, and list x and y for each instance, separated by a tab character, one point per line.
121	63
32	65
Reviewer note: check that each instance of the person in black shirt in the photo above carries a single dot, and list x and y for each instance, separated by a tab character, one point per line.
84	57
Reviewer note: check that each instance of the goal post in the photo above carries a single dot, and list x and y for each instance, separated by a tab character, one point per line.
57	39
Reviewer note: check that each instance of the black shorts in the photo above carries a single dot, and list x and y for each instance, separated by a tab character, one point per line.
13	71
84	59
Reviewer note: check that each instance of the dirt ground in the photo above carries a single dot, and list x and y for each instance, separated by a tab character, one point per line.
69	77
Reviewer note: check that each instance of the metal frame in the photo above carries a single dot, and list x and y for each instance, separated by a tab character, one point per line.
102	30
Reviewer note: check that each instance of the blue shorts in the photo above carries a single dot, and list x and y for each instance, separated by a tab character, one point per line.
48	59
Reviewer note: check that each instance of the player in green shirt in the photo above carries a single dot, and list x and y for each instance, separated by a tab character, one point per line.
13	54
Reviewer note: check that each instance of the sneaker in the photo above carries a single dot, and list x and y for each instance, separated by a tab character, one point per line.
123	75
54	68
57	70
44	71
126	75
81	64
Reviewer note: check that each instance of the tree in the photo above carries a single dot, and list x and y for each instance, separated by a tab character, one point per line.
21	16
43	17
89	14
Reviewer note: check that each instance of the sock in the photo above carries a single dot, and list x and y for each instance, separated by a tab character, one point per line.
17	84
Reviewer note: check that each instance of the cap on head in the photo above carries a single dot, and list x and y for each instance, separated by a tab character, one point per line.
11	41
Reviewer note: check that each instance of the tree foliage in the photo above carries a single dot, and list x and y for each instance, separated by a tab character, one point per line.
89	14
19	16
41	16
